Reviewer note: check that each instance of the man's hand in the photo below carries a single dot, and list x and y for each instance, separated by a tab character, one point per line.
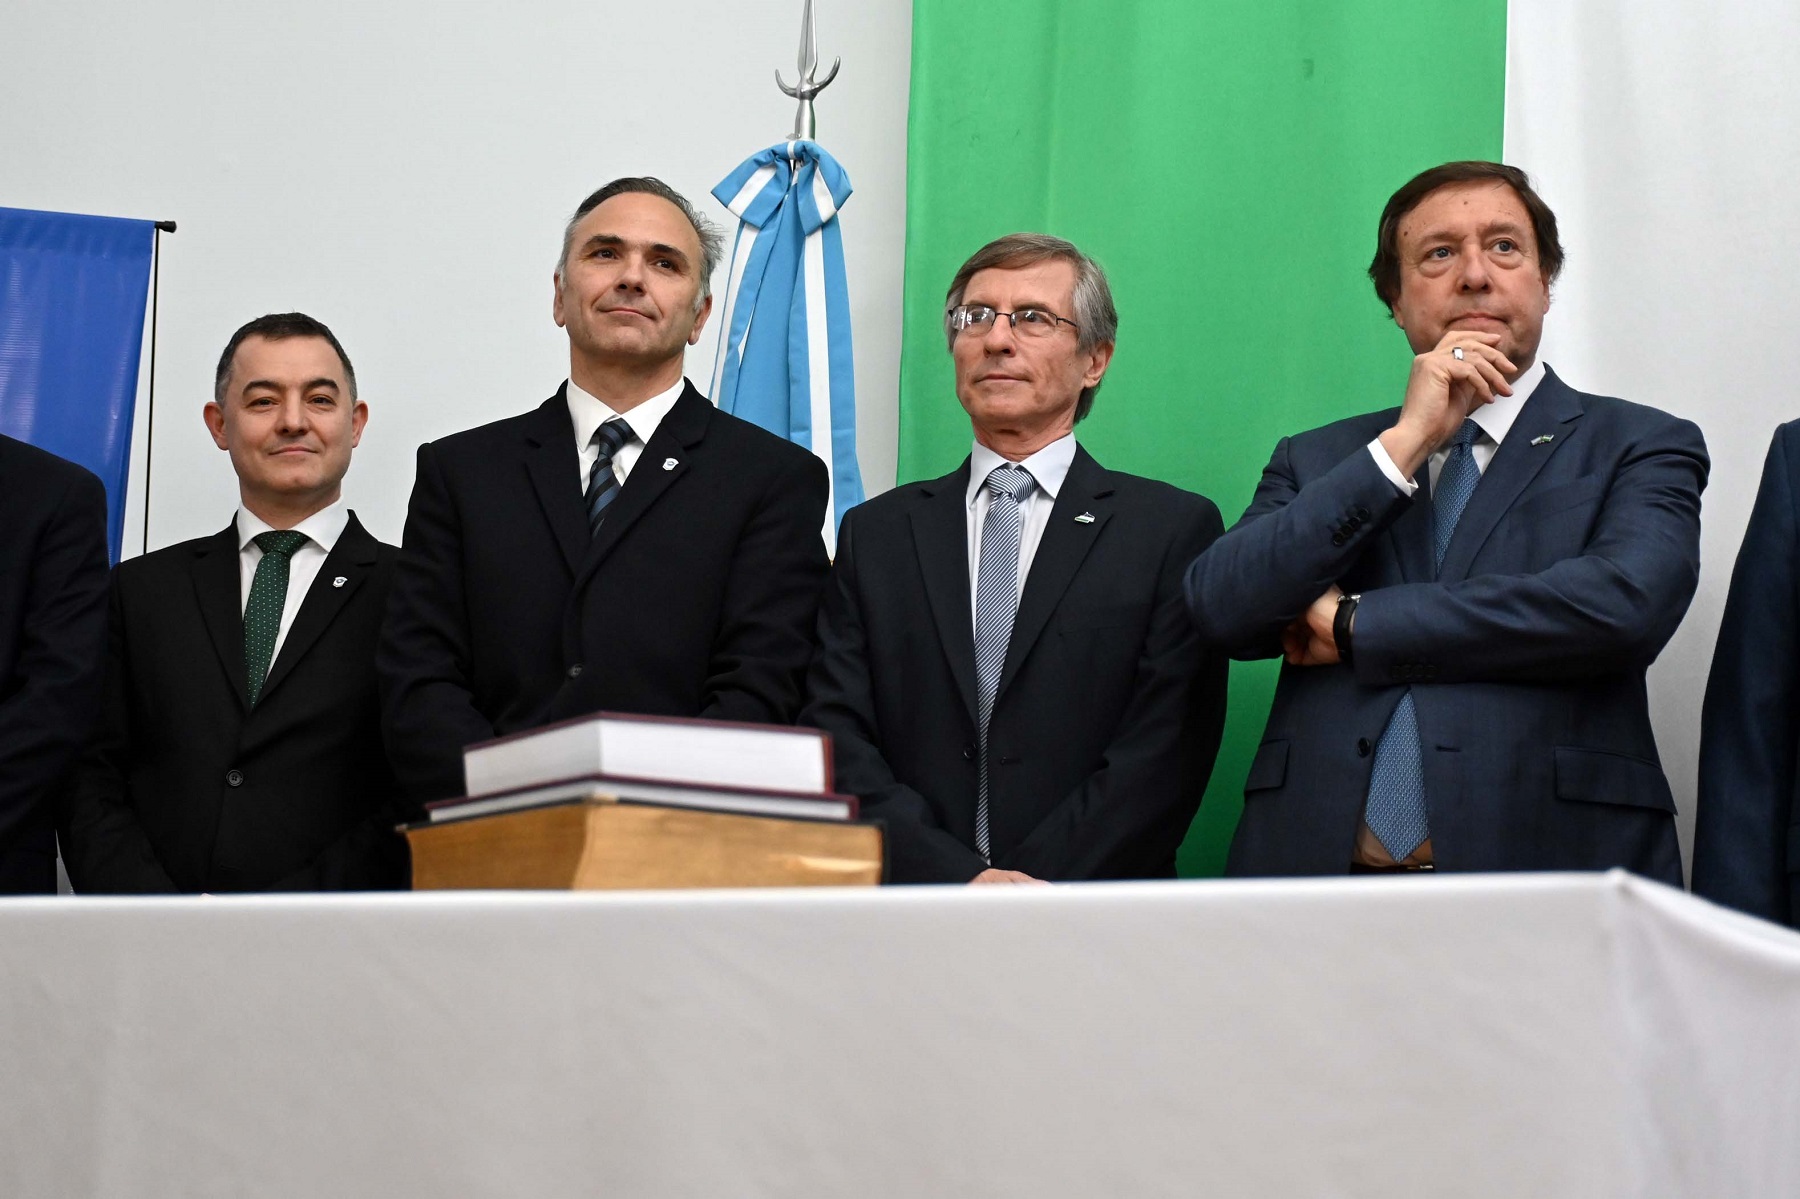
1441	392
991	875
1310	640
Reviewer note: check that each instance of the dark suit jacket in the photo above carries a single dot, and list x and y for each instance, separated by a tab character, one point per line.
186	788
696	598
1569	570
1109	709
52	630
1747	828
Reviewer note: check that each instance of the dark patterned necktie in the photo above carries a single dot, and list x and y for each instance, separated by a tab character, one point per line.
268	596
996	604
1397	812
603	484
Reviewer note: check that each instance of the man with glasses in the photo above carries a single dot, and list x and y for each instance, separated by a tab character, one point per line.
1005	667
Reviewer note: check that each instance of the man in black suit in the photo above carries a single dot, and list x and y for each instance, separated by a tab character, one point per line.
625	546
1746	825
1005	667
240	741
52	630
1468	588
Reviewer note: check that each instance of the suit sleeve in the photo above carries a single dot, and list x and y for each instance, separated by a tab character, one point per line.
1748	725
1291	544
1130	816
45	720
759	656
841	700
104	846
1610	608
423	658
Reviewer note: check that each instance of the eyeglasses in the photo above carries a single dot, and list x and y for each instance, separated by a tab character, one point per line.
1026	322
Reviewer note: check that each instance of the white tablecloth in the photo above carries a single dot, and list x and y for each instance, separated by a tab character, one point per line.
1507	1036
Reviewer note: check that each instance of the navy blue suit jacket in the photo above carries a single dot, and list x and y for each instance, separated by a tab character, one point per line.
1746	842
1569	570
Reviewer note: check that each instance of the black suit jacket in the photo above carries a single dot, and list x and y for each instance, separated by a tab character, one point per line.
52	629
1109	710
696	598
187	788
1747	827
1568	572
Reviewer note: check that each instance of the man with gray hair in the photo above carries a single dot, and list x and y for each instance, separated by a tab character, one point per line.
625	546
1011	683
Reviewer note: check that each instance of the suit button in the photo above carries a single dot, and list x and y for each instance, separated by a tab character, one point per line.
575	671
968	753
234	778
1337	539
1363	747
1362	514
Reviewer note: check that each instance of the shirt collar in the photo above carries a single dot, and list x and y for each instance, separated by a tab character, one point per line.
1048	467
589	413
324	526
1497	418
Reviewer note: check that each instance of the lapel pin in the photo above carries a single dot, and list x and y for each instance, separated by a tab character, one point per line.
1086	518
670	464
1546	439
339	581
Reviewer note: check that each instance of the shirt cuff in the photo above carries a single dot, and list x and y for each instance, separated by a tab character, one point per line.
1379	452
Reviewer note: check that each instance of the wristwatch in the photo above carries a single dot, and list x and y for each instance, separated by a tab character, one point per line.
1340	625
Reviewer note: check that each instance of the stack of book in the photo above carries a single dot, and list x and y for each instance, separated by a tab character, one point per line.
616	801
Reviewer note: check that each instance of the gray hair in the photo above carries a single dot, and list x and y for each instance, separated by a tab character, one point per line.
1095	316
712	241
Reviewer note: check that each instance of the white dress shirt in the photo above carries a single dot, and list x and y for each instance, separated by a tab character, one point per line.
590	413
1495	420
322	529
1048	467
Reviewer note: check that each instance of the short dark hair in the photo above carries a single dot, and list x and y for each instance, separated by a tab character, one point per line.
712	242
279	326
1384	270
1096	317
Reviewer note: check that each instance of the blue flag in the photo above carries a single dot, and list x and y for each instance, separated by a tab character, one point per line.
74	291
785	359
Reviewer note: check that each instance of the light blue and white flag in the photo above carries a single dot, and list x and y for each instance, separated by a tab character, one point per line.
785	358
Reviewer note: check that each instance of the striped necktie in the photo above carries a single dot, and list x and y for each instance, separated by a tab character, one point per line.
1397	812
996	603
268	597
603	484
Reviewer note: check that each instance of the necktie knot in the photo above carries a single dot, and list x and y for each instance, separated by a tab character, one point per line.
285	542
610	436
1465	436
1010	479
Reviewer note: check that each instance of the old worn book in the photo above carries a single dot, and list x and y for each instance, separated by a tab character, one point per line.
699	752
588	844
748	800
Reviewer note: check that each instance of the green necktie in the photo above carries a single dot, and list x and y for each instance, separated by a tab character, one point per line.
268	595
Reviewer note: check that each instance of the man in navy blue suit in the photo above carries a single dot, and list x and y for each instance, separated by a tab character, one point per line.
1466	589
1746	841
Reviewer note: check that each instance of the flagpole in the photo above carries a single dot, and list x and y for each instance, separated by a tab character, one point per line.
161	227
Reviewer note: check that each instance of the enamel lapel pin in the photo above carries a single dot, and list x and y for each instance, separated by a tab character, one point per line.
339	581
1086	518
670	464
1546	439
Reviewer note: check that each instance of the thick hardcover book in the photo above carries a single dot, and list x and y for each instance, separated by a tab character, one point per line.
603	789
705	753
594	845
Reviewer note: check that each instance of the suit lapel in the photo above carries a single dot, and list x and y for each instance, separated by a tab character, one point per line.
552	460
1535	436
941	538
652	476
352	559
1065	544
218	591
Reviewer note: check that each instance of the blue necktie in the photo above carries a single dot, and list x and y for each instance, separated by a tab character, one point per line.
1396	811
603	484
996	603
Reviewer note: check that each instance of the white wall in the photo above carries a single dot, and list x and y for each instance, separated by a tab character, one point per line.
402	170
1667	139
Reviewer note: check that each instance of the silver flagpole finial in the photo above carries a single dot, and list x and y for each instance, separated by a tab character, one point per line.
808	85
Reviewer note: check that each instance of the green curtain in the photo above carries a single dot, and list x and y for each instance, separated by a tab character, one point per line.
1226	162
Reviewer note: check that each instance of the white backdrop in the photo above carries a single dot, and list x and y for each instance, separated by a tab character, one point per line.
1667	139
402	171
